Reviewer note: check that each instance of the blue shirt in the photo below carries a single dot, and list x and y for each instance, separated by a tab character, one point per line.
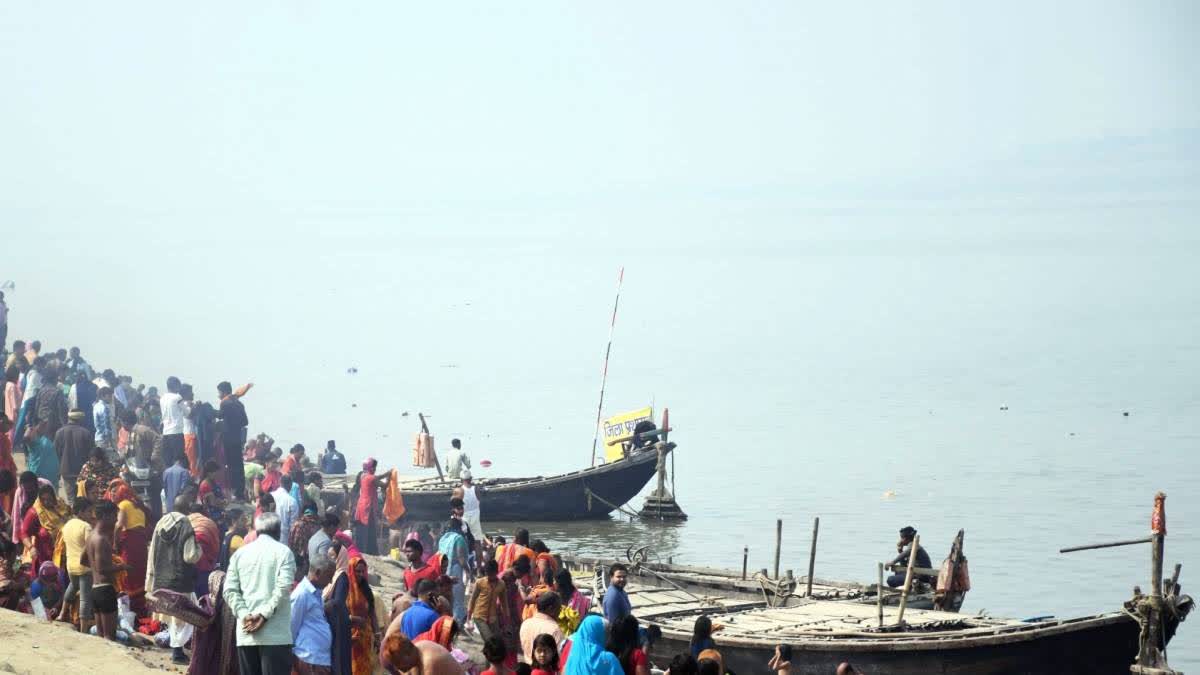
616	604
417	619
100	420
312	639
174	479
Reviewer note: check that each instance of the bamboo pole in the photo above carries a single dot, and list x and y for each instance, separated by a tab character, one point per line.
908	577
778	543
1111	544
612	327
879	595
812	556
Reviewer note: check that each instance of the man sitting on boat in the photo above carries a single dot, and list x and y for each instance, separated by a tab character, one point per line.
900	562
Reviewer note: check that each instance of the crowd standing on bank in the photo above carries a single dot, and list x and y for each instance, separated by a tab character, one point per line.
151	517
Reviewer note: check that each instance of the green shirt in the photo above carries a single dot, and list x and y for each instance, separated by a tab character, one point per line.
252	470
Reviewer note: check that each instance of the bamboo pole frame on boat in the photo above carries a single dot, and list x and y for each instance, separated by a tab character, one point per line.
778	544
812	556
879	595
908	577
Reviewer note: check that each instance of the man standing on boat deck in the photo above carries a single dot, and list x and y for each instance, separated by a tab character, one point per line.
470	493
456	460
904	546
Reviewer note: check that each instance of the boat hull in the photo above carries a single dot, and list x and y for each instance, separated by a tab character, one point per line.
1095	647
588	494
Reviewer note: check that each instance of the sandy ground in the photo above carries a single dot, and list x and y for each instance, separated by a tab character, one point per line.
35	647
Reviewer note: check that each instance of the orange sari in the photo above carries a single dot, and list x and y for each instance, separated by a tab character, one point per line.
362	637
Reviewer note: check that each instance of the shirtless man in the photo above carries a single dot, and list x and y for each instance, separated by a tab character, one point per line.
399	655
99	554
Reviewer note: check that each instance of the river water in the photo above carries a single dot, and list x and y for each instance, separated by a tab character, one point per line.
875	378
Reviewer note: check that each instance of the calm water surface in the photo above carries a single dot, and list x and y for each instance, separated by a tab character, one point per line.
856	378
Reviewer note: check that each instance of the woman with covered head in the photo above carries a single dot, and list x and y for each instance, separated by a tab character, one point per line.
133	539
365	500
97	473
351	593
586	654
41	525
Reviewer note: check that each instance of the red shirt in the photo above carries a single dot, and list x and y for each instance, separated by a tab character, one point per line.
412	577
270	481
289	465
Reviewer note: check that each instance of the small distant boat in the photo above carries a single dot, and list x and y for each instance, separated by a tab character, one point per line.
588	494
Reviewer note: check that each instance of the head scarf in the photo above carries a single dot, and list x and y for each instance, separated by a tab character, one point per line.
349	550
48	571
370	464
439	632
356	600
588	656
119	491
52	519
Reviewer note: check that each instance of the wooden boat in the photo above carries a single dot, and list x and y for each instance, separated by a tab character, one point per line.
826	633
756	587
587	494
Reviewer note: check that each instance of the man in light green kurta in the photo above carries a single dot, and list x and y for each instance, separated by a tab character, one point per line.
258	587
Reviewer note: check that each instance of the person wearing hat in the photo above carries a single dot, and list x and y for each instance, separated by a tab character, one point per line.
73	444
900	562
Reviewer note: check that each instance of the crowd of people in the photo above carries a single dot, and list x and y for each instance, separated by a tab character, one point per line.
143	516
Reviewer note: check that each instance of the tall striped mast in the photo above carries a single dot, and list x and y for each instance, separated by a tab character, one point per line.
607	351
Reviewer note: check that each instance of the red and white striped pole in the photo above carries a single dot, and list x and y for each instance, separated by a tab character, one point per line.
607	352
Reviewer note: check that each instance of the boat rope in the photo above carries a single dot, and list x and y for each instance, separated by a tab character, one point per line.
592	495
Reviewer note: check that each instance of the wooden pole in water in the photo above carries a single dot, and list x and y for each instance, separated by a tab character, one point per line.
812	555
778	543
745	561
908	577
879	595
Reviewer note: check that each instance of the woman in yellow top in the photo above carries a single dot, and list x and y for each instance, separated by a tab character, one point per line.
133	540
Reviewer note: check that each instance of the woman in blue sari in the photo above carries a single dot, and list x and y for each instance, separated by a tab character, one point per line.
587	655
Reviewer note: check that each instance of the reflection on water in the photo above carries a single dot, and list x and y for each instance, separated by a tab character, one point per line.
609	539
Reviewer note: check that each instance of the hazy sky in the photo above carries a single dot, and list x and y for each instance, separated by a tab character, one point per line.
552	117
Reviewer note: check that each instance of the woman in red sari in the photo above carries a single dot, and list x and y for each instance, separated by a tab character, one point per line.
133	540
366	507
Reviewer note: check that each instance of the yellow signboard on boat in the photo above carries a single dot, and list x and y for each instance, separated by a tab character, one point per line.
621	426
